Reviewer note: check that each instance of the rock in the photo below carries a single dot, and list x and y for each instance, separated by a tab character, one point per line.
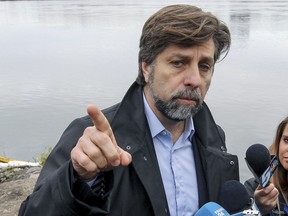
15	185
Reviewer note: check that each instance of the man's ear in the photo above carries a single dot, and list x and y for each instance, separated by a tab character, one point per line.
146	70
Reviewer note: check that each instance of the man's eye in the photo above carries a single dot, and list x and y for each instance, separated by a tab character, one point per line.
205	67
177	64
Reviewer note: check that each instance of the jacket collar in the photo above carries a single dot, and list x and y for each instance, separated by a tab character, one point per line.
207	130
130	119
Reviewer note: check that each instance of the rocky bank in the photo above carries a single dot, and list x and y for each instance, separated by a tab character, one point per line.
15	185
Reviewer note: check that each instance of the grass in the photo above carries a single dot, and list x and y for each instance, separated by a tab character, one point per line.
43	156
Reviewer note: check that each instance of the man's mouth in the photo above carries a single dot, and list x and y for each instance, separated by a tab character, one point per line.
187	101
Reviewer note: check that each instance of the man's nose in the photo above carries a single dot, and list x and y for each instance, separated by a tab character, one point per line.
193	77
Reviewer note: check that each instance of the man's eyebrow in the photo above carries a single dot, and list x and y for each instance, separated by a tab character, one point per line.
180	55
188	57
208	59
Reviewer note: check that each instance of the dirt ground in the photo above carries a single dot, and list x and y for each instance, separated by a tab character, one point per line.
15	185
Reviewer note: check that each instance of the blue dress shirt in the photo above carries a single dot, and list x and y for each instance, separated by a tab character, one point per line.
177	165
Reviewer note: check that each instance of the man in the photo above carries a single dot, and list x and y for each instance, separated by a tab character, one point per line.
159	151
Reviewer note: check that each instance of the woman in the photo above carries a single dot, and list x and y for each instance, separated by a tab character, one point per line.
273	199
280	177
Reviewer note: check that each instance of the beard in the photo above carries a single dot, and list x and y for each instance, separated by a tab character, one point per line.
171	108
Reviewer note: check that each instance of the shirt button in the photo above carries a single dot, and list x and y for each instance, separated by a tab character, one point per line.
164	133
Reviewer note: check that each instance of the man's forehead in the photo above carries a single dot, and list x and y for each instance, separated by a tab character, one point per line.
206	50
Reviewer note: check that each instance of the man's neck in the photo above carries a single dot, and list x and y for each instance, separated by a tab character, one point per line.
176	129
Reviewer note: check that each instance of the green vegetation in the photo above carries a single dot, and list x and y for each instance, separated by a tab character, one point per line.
44	155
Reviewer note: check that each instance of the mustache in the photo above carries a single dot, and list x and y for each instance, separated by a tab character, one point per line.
191	94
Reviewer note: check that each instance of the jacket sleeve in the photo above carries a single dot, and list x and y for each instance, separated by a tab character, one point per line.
58	190
251	185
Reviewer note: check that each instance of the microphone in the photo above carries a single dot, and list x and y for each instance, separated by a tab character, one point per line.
235	199
211	209
257	159
259	162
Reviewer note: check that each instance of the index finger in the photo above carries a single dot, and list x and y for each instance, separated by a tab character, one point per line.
100	121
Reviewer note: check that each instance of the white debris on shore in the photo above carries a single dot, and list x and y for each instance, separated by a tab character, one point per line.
10	163
16	163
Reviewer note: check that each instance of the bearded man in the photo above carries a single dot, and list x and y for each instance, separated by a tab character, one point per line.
158	151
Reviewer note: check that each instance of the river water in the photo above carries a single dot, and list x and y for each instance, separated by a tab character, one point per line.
58	56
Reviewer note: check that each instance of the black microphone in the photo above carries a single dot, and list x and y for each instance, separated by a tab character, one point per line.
235	199
258	160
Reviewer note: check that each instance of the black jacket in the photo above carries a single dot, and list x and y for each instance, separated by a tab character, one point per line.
137	189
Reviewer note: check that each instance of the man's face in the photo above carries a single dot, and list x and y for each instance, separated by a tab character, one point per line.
178	80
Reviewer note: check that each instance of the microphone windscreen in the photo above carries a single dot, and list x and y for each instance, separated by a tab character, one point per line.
234	197
258	158
211	209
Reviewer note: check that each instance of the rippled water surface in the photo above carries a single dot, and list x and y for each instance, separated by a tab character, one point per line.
58	56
